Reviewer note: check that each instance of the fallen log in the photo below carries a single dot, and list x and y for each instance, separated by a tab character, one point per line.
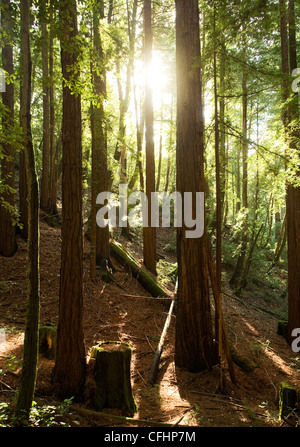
124	258
124	419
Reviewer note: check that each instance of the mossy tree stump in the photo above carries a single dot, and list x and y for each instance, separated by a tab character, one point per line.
282	328
287	399
48	340
112	377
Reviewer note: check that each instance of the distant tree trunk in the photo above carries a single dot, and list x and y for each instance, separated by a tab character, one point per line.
70	366
110	11
149	232
8	244
121	147
138	172
194	340
170	147
281	242
99	236
30	357
160	148
218	174
125	97
235	281
222	126
219	206
168	173
46	108
238	179
290	119
52	204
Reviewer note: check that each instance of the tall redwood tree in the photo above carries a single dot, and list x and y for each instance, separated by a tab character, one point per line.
8	245
70	366
290	120
31	338
149	232
194	339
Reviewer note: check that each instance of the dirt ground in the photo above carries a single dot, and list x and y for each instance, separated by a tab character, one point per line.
178	397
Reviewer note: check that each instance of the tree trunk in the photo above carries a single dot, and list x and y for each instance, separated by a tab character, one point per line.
170	146
8	244
281	242
160	148
235	281
125	98
31	341
149	232
99	236
46	108
52	204
218	174
70	366
194	340
289	116
138	172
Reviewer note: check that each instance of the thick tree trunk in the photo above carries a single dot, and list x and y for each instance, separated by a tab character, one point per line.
31	346
194	340
289	115
8	244
149	232
70	366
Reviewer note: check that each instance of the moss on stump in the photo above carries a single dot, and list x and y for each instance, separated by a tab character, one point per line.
287	399
48	340
112	377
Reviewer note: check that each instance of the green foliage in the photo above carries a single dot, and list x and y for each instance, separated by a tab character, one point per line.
166	272
4	414
50	415
41	415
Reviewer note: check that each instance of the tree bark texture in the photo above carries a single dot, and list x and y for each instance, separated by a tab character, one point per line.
112	377
8	244
46	109
31	340
149	232
289	115
99	236
70	366
194	341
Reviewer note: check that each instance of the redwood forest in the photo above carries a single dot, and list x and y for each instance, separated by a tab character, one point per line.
150	216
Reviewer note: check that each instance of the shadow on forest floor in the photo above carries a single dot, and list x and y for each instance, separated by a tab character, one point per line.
178	397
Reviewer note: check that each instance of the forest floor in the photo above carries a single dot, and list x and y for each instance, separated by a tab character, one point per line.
178	397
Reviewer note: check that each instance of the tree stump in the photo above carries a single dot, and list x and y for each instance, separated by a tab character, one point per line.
112	377
48	340
282	328
287	399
